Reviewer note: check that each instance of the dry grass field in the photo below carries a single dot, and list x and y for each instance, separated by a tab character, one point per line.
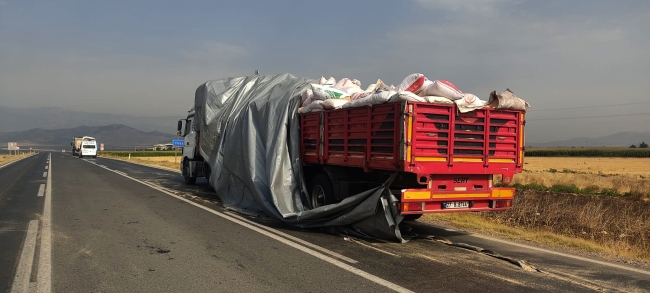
639	167
621	174
168	162
4	158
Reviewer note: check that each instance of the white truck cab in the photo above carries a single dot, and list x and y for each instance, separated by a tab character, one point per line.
192	164
88	148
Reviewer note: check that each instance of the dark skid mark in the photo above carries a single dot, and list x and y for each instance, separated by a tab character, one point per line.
155	249
518	262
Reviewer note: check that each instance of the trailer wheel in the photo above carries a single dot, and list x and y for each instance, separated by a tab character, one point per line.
321	191
186	174
412	217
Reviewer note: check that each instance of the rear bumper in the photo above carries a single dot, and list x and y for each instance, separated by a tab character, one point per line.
423	201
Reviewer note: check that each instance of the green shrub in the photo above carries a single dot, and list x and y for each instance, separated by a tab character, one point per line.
593	189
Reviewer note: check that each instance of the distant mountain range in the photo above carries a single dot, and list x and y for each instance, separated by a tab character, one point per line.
113	136
20	119
620	139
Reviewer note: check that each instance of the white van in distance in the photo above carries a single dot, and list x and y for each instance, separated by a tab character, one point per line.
88	149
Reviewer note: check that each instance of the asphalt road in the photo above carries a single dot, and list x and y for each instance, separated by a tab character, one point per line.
109	226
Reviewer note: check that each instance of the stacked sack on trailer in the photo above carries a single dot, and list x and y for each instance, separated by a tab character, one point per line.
346	93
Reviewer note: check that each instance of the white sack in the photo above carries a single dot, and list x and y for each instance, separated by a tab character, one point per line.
330	82
308	101
373	99
438	100
344	82
347	86
377	86
313	107
324	92
359	95
469	103
330	104
507	100
442	88
322	80
407	96
305	95
412	83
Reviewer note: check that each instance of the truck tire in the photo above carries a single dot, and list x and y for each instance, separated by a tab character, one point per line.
320	191
411	218
186	171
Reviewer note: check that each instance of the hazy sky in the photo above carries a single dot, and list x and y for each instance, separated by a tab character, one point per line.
148	57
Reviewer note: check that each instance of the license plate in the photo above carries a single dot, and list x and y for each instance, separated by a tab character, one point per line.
455	205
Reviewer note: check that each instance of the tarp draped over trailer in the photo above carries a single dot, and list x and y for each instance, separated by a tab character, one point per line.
249	133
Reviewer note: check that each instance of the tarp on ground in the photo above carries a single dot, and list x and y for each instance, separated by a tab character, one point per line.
249	133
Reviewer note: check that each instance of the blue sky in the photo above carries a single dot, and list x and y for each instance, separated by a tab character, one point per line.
147	57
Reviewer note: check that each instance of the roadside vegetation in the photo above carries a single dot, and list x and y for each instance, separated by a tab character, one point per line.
594	204
6	158
158	158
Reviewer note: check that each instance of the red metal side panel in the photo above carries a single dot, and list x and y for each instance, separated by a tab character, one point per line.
366	137
310	137
483	141
384	133
345	137
420	138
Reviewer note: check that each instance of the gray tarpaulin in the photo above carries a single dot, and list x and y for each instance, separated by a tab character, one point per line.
249	133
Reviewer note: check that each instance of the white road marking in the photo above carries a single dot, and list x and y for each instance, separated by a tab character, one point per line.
44	275
46	167
24	271
119	172
44	174
41	190
303	242
565	255
250	225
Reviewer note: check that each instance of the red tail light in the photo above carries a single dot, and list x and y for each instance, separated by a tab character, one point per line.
411	206
503	204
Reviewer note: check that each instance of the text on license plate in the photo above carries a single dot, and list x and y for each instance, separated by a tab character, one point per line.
455	205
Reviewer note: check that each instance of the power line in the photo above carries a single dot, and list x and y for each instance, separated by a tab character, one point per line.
587	107
583	117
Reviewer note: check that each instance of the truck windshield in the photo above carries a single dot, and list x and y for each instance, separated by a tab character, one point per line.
88	146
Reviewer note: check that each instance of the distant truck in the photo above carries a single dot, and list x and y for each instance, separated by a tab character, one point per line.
76	145
446	160
84	146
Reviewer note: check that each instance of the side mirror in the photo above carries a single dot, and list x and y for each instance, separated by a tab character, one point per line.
179	127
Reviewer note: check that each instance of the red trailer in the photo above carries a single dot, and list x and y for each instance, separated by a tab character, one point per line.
446	159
